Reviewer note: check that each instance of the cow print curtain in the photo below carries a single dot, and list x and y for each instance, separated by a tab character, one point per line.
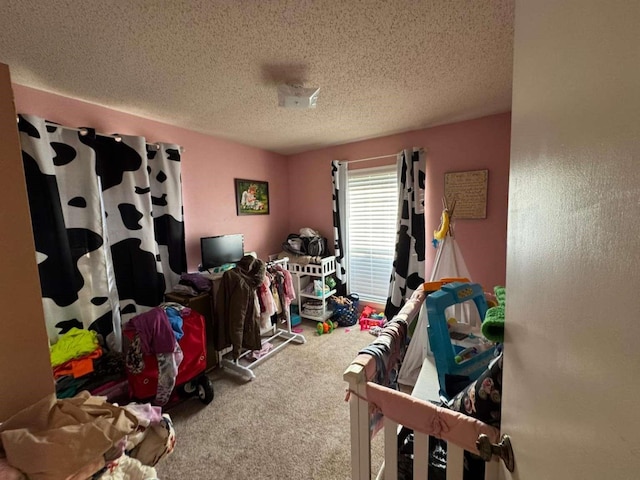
339	181
107	223
407	274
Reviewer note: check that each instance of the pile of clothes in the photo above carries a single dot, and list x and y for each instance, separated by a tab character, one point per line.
193	284
157	332
80	363
84	437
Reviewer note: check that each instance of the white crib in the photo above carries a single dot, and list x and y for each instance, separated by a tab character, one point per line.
414	412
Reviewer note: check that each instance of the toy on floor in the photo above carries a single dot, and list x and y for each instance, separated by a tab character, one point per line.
325	327
471	353
375	331
369	318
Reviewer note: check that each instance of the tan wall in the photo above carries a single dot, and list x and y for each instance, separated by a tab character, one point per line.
25	369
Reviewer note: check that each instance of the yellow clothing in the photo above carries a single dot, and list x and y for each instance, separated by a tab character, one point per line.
73	344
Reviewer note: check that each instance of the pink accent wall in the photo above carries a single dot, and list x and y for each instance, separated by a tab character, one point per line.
209	165
300	185
478	144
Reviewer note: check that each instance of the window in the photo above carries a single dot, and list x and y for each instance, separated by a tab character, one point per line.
372	206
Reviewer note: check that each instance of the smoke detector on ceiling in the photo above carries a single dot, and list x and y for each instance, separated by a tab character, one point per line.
296	96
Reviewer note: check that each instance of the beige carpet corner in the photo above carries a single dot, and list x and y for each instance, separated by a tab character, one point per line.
290	422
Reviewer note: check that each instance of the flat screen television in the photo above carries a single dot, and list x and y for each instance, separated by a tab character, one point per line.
221	249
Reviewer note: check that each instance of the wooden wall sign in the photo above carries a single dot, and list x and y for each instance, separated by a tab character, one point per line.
469	192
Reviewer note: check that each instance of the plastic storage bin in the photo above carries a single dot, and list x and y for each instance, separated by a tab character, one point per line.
295	316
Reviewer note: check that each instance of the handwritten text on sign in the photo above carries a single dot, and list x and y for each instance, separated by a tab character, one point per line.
469	192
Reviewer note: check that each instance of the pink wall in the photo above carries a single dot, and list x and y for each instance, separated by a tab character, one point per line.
478	144
209	165
300	186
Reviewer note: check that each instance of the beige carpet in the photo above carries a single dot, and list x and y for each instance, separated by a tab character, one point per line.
290	422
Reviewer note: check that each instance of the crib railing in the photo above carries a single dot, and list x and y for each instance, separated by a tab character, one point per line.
418	414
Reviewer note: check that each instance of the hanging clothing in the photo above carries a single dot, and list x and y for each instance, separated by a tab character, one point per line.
289	290
236	319
282	297
282	290
268	306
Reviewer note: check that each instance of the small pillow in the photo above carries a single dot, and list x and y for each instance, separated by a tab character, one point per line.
482	398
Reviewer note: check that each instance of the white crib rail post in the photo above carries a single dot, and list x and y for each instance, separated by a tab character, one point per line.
455	462
359	423
421	456
390	449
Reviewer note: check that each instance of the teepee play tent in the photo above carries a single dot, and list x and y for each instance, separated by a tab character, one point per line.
448	263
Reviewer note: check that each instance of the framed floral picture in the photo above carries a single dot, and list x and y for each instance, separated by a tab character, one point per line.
252	197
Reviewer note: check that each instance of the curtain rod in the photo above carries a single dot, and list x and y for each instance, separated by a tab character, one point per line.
375	158
370	158
84	131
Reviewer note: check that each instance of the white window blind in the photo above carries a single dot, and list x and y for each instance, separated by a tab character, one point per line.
372	198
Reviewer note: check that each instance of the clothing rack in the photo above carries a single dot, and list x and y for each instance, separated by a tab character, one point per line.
286	335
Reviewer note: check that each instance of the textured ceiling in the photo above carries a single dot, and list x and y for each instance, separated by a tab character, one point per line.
383	67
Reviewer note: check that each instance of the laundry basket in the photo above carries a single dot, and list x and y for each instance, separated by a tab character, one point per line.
345	309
